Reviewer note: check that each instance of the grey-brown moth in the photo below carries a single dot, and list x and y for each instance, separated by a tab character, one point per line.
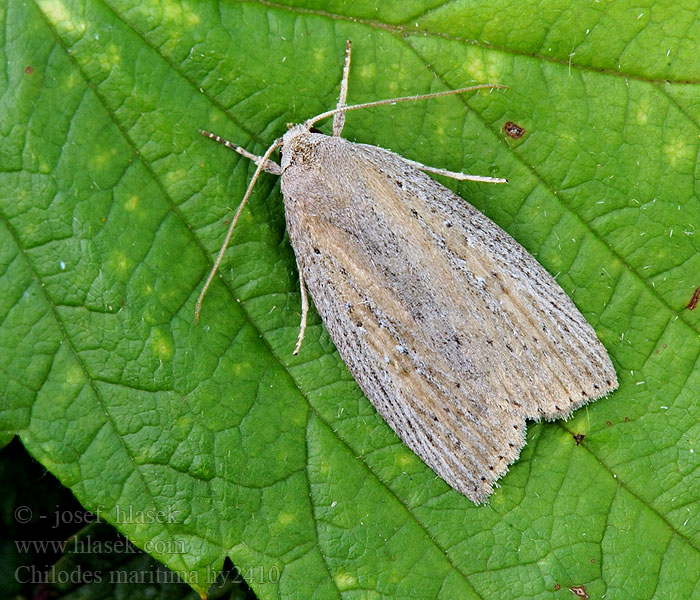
453	331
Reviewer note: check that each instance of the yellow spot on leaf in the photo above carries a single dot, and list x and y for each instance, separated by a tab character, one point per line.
72	79
345	581
75	375
131	203
679	150
175	176
287	519
239	369
496	66
62	18
109	58
162	346
172	11
642	115
367	71
404	460
476	69
323	468
119	262
191	18
101	159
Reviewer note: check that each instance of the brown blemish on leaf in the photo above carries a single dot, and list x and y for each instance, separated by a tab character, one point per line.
513	130
579	591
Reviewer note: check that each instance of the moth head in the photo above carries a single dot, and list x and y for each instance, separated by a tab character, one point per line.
295	144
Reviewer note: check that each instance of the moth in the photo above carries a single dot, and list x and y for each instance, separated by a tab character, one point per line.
452	330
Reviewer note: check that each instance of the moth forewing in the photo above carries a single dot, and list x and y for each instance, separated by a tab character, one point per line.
453	331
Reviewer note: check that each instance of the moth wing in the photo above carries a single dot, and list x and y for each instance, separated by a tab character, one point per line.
453	331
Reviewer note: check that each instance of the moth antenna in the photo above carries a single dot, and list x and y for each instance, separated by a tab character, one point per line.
270	166
304	314
339	117
261	166
339	109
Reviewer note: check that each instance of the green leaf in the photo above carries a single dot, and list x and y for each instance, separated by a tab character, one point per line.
214	438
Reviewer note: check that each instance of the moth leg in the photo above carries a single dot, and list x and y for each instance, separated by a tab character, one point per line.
304	313
267	165
454	174
339	117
